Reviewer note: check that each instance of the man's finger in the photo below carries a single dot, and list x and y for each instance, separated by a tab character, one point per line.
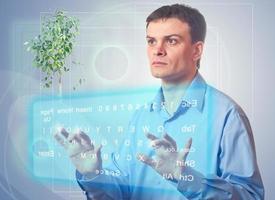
98	151
146	160
85	140
150	136
160	143
64	132
186	150
60	139
171	140
74	137
61	136
84	136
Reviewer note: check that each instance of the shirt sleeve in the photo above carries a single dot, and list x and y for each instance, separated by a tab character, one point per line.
113	183
104	187
237	174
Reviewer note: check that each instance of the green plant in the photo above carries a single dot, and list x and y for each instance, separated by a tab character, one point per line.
53	45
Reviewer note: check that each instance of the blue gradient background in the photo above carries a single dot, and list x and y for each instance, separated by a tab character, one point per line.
237	59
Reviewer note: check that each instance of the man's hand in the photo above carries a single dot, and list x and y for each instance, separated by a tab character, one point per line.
83	154
168	161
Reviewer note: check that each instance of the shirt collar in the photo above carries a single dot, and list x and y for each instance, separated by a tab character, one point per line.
193	97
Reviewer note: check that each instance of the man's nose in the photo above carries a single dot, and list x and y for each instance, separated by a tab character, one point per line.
160	50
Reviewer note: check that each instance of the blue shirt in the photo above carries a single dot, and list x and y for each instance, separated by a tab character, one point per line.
221	163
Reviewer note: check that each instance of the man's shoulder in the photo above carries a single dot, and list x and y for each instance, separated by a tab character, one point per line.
221	100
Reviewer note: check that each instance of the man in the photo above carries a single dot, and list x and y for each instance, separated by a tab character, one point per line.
197	120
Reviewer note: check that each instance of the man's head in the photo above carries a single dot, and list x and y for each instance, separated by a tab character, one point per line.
175	36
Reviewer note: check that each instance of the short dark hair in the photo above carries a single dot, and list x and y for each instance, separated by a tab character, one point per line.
186	14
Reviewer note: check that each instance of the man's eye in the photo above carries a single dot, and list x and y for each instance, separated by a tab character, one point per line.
151	42
172	41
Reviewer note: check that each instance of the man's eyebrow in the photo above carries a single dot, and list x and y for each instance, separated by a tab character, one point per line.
172	35
166	36
149	37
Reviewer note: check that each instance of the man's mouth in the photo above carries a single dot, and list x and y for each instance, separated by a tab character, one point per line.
158	63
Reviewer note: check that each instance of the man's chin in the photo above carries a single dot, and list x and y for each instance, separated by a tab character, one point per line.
157	75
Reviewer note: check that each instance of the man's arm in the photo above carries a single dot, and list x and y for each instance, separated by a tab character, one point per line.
104	187
237	174
112	184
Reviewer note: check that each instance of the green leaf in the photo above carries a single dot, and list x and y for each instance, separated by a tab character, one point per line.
67	49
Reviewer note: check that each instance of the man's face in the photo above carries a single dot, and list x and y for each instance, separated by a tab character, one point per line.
171	54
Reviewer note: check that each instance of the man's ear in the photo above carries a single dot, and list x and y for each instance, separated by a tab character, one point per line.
197	50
